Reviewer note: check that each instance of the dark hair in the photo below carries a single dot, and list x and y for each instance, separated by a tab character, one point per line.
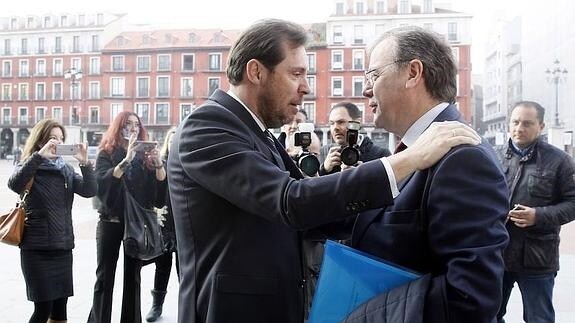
40	135
302	111
439	69
351	108
263	41
532	104
112	138
165	150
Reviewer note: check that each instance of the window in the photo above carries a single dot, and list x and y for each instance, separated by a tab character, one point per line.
94	65
7	47
7	68
336	59
117	63
6	116
143	111
428	26
185	109
30	22
337	86
115	108
187	87
358	85
164	62
63	21
95	43
57	113
40	113
94	90
311	62
58	69
380	7
76	63
311	83
7	92
337	34
56	91
24	68
187	62
427	6
74	115
40	91
309	108
58	44
143	63
358	57
452	31
143	90
117	86
339	8
359	5
94	115
23	91
76	44
404	6
41	45
162	113
213	84
24	46
47	22
75	90
215	61
358	34
23	116
163	89
455	52
41	67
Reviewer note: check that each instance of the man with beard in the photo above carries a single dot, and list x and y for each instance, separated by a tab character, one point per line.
239	201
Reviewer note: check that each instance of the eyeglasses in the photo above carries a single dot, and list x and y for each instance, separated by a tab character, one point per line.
130	124
372	75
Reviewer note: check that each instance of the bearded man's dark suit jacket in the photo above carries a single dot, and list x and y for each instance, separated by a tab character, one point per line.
448	220
237	210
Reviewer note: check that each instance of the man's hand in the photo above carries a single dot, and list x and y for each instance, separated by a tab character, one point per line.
522	216
431	146
332	159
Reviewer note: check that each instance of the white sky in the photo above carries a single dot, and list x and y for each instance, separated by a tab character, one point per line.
241	13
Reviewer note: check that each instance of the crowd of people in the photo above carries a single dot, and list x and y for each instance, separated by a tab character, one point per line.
247	226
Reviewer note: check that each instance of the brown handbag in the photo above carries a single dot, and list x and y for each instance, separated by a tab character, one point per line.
12	223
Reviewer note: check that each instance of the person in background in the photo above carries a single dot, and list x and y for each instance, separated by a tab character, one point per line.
164	262
144	174
448	220
286	136
46	248
239	201
542	187
339	117
17	153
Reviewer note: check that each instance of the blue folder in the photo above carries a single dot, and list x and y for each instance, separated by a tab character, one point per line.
350	277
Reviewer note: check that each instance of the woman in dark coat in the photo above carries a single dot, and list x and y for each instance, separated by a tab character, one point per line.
120	163
46	248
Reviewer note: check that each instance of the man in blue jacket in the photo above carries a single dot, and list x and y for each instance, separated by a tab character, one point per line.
448	220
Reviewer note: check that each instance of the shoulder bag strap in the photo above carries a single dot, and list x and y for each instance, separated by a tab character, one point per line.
26	190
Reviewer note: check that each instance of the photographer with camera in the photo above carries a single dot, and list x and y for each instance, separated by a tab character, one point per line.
349	148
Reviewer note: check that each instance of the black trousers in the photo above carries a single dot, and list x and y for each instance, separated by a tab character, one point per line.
163	269
108	241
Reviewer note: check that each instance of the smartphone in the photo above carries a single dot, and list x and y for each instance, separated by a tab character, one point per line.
145	145
66	150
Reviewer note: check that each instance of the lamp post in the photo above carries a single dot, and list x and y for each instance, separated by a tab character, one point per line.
74	75
556	75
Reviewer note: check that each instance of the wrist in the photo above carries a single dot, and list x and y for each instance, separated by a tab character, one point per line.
123	165
160	166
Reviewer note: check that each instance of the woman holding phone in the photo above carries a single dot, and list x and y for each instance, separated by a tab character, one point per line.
121	159
46	248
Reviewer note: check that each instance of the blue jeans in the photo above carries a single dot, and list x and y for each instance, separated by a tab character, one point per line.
536	294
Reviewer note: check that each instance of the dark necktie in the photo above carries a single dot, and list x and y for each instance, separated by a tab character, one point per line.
401	147
272	145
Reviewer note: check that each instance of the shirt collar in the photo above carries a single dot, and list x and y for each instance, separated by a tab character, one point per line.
258	121
521	152
419	126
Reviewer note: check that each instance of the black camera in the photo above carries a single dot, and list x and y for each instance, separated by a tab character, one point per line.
306	161
349	153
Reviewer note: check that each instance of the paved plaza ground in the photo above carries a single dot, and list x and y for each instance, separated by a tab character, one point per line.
14	308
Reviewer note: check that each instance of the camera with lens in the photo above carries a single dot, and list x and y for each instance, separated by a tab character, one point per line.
305	160
350	153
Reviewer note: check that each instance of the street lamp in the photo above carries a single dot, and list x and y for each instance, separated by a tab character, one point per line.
556	75
74	75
